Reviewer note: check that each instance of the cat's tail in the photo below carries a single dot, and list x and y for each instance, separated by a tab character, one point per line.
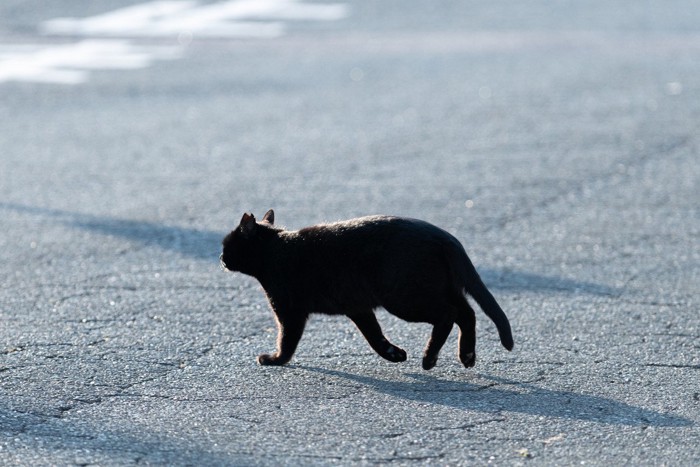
476	288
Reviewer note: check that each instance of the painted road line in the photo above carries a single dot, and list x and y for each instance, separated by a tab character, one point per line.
228	19
179	19
71	63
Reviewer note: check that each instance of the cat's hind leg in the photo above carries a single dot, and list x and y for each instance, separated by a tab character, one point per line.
440	332
466	320
288	335
369	327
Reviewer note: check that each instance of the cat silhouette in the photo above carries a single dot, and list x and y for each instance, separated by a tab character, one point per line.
413	269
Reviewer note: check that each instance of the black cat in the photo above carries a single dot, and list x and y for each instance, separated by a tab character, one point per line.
413	269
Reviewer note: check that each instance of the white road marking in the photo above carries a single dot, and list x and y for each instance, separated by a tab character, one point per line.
70	63
222	19
181	20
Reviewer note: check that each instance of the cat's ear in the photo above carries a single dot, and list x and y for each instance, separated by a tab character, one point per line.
269	217
247	224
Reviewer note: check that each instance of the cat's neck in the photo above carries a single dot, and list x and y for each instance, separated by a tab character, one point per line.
272	256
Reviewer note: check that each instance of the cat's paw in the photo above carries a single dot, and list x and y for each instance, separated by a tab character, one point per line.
468	360
395	354
429	362
265	359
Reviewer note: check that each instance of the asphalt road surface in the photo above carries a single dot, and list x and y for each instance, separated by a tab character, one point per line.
557	140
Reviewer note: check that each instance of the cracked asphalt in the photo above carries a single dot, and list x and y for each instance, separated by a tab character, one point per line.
557	141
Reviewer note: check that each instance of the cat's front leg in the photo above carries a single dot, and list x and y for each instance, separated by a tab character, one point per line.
369	327
289	331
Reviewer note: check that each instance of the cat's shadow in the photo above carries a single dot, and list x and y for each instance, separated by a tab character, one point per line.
205	245
504	395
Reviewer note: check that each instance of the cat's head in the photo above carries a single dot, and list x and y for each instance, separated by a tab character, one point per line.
242	246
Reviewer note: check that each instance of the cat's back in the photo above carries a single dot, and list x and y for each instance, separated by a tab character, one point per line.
360	226
380	231
357	226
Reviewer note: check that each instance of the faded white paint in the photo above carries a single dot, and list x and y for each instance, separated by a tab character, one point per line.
70	63
222	19
183	20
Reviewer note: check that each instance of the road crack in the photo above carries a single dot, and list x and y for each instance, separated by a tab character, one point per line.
674	365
